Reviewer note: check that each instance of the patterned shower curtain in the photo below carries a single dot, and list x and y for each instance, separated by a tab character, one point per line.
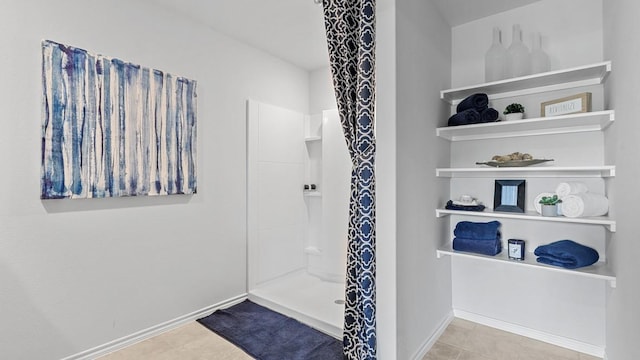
350	27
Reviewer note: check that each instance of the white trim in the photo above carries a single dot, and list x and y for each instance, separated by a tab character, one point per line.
564	124
253	116
600	270
145	334
557	340
428	344
593	74
606	221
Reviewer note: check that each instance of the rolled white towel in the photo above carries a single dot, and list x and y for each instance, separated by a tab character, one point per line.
585	204
571	187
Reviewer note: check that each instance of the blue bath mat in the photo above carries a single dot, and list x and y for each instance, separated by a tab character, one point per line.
268	335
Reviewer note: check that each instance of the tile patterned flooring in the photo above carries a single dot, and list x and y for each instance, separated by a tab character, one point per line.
465	340
462	340
188	342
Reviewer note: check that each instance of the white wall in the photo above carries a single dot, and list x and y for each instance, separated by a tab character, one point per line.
480	288
423	67
571	36
77	274
620	27
321	94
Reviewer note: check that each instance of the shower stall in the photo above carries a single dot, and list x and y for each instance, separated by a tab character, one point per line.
298	172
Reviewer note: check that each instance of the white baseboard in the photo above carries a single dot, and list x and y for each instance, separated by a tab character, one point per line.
561	341
428	344
145	334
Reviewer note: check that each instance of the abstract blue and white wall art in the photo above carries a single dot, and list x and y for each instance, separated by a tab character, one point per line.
112	128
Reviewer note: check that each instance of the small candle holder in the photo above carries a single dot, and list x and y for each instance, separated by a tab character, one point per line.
515	249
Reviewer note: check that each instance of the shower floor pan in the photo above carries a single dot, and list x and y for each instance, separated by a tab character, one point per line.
305	298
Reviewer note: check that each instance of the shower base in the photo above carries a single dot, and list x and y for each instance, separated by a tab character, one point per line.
305	298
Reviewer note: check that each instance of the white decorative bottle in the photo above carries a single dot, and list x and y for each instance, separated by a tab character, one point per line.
495	60
539	59
519	58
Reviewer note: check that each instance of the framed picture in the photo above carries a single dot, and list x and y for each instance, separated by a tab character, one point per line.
578	103
509	196
111	128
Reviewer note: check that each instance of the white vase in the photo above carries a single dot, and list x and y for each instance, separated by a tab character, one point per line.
495	60
539	59
549	210
519	57
513	116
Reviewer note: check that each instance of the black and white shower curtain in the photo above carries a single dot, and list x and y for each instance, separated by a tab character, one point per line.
350	27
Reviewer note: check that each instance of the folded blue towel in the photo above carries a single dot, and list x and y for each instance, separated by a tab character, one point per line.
477	230
466	117
567	254
489	115
451	206
485	247
478	102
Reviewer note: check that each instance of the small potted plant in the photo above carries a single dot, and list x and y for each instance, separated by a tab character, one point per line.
550	205
514	111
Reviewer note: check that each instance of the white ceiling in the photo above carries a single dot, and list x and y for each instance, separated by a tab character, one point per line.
289	29
458	12
293	30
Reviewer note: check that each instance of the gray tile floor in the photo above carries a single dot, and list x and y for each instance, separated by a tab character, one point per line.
462	340
188	342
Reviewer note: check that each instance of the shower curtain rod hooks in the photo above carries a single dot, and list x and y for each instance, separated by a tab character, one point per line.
317	2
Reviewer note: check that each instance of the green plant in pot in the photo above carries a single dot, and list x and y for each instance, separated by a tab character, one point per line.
514	111
549	205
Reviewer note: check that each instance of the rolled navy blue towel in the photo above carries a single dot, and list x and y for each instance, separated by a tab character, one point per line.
485	247
567	254
489	115
451	206
477	230
466	117
478	102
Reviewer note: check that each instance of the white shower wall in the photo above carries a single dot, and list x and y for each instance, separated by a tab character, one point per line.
297	238
332	218
288	231
276	208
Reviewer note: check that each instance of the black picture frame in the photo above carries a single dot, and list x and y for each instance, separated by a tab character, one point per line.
509	196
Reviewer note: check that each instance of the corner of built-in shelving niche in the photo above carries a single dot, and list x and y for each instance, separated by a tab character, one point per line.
313	128
311	139
588	75
313	144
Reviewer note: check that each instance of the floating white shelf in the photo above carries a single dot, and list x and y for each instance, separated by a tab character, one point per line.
312	193
605	221
591	121
599	270
593	74
312	138
530	171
